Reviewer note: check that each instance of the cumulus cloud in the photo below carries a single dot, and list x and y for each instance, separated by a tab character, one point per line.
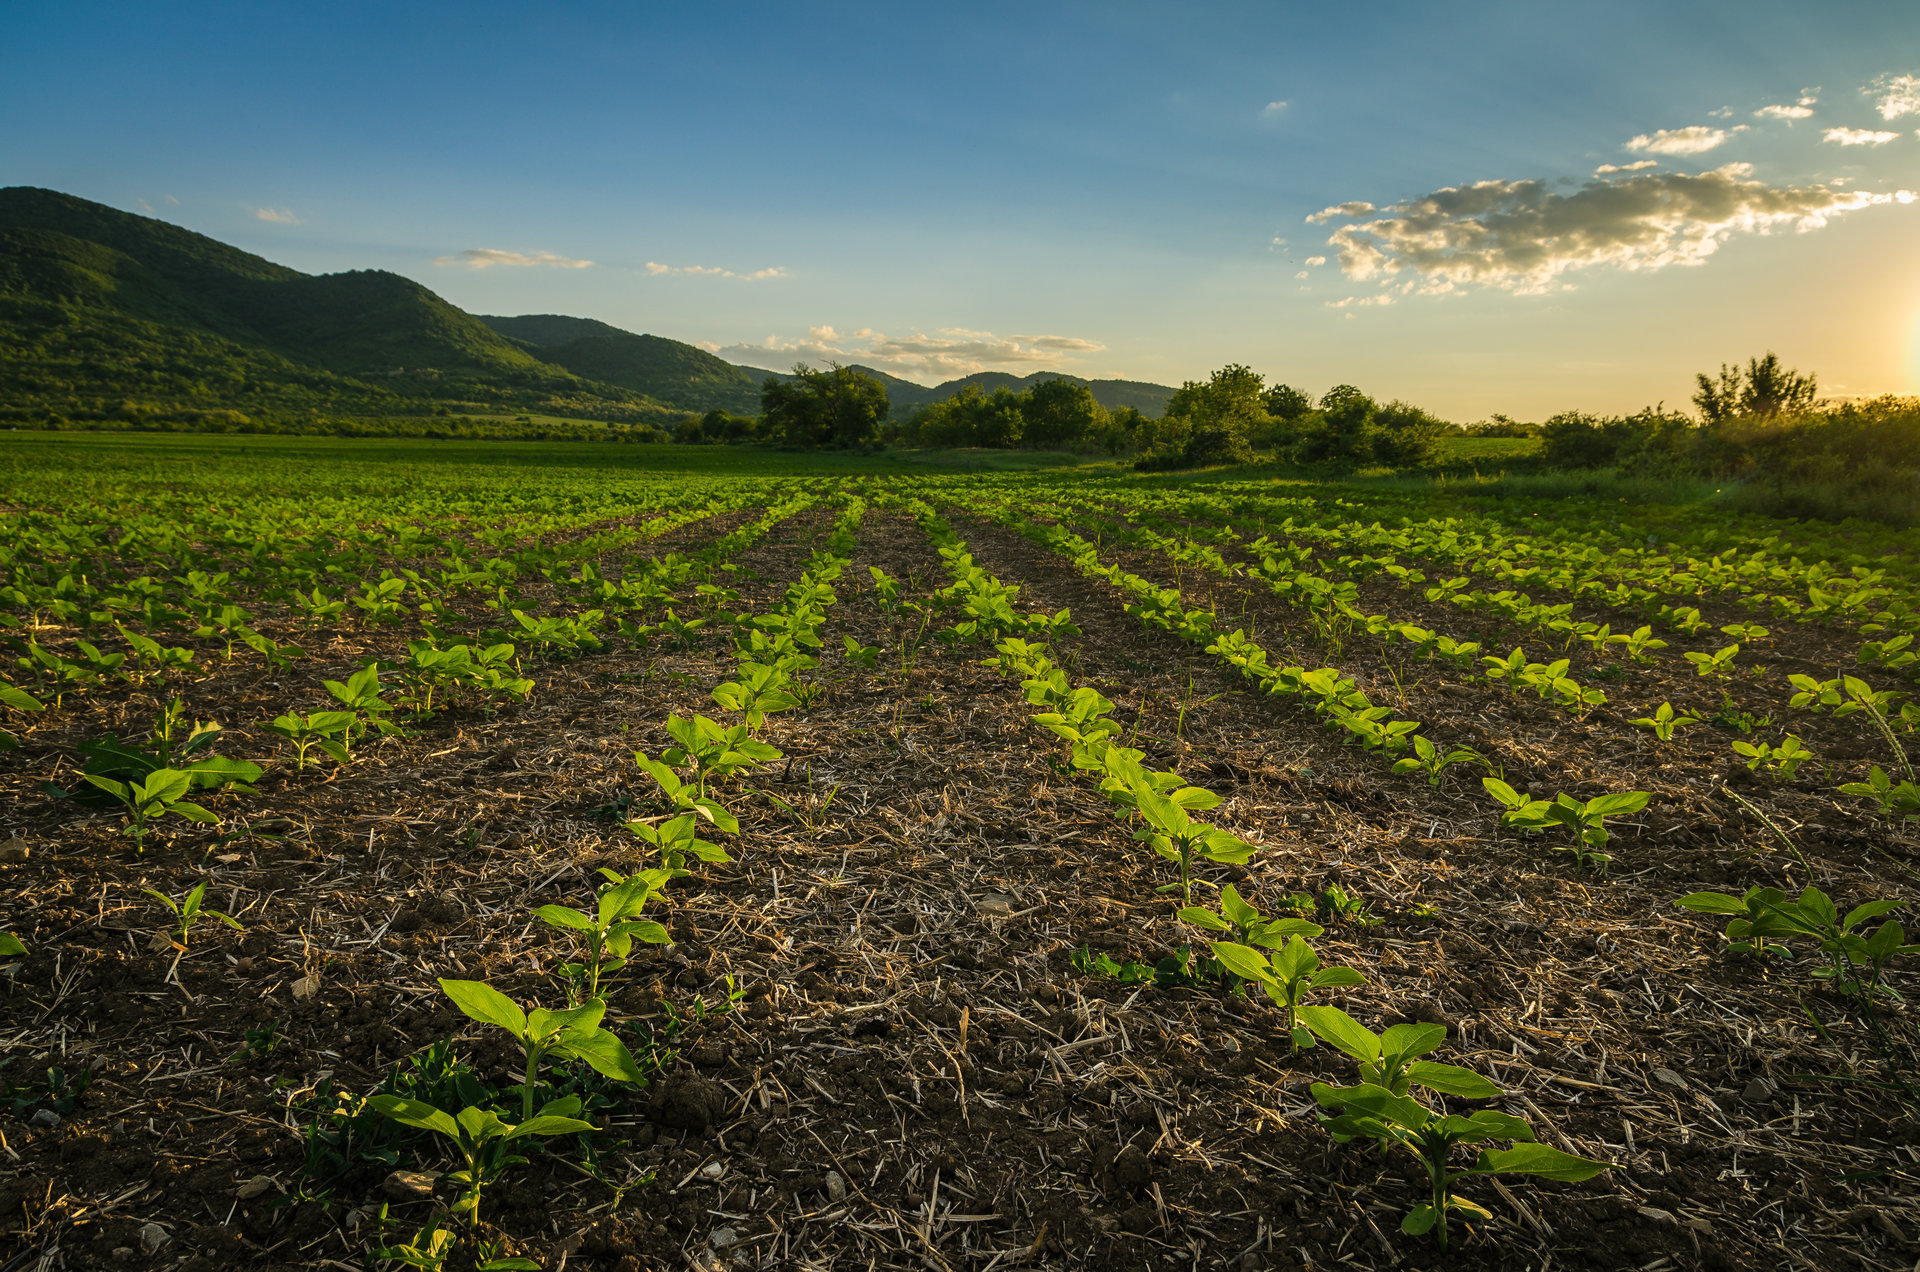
488	257
710	271
1523	236
278	216
1339	209
1783	112
1273	108
1351	302
1316	260
952	352
1638	165
1896	95
1694	139
1858	137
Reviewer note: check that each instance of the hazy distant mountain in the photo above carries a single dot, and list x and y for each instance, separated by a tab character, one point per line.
905	395
669	371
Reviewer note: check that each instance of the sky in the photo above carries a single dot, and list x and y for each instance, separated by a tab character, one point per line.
1515	208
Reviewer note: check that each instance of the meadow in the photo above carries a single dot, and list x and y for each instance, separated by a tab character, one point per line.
452	854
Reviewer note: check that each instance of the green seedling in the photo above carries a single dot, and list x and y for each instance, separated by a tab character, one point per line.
712	751
570	1034
1665	720
675	840
1642	643
1719	663
190	911
1246	924
1180	839
1782	760
1392	1060
360	694
1287	974
1432	761
159	794
326	731
867	656
1746	633
1896	799
1369	1111
151	658
609	932
258	1042
684	796
11	946
756	691
482	1139
279	656
1856	961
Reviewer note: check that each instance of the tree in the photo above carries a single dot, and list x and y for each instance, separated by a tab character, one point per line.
836	407
1221	415
1284	402
1764	390
1060	413
1346	414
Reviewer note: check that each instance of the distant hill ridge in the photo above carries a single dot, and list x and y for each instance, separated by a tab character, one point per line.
104	310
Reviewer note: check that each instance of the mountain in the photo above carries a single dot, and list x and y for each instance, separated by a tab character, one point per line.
906	396
99	306
669	371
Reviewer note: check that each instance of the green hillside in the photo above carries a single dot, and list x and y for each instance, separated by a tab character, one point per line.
669	371
101	308
905	395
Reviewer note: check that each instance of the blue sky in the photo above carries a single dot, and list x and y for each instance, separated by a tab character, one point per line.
1109	189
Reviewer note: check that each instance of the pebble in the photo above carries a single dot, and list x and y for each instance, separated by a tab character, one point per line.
409	1185
995	903
836	1186
1671	1078
15	850
255	1187
305	986
713	1170
722	1238
123	1253
45	1119
153	1237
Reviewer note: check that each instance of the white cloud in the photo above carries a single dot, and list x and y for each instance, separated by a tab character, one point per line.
1316	260
1638	165
1521	236
1694	139
1725	112
488	257
278	216
1304	274
1858	137
1352	301
1339	209
1273	108
1899	95
1783	112
712	271
952	352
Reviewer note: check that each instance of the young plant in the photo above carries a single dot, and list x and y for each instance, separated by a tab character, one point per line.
867	656
675	840
482	1140
1180	839
361	695
571	1034
1896	799
684	796
325	730
1432	761
1782	760
712	751
1856	961
1246	924
1369	1111
609	932
159	794
1665	720
756	691
1287	974
189	911
1719	663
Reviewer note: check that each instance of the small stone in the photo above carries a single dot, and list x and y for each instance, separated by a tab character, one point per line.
1671	1078
995	903
305	987
45	1119
1758	1092
258	1186
123	1253
15	850
153	1237
712	1170
1657	1215
836	1186
353	1219
409	1185
721	1238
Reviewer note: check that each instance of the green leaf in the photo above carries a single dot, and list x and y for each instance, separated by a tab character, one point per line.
415	1113
486	1004
1342	1031
546	1124
1617	804
1408	1041
1450	1079
565	917
1539	1159
1242	961
607	1055
1333	977
10	945
1200	916
1712	903
1419	1221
